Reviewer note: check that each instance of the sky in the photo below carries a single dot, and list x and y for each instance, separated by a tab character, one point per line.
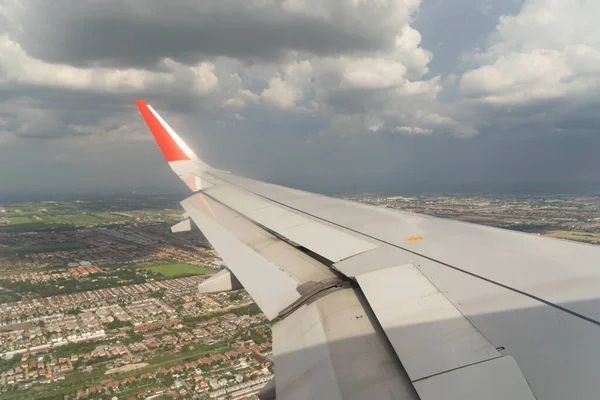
339	97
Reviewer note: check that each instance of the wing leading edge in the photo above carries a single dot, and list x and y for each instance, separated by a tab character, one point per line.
466	310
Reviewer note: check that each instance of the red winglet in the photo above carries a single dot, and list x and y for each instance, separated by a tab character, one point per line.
167	144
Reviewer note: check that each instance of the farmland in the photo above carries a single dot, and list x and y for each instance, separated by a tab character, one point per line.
174	269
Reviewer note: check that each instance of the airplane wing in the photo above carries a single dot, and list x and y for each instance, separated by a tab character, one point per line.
384	304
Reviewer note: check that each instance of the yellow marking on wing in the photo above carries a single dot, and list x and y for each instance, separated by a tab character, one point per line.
413	238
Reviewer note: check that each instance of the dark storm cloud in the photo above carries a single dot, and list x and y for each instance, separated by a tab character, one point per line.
538	145
45	113
582	116
357	101
59	170
55	130
135	33
392	163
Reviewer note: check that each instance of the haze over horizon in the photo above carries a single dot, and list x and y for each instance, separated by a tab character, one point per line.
395	97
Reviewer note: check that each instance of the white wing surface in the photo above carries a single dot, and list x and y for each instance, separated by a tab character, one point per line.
380	304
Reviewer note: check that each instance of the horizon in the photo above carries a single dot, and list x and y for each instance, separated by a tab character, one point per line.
177	196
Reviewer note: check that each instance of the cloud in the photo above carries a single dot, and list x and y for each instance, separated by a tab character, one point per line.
366	53
548	50
412	130
371	73
140	33
429	88
285	90
375	86
18	67
241	99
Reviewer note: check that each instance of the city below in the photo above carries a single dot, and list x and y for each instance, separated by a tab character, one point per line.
99	300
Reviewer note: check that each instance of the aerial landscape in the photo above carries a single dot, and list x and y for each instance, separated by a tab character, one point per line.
299	199
559	216
99	298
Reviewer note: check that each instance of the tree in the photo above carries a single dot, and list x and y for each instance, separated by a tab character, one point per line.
235	297
168	380
159	294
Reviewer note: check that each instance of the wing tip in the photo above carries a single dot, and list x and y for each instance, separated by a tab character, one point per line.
167	139
141	103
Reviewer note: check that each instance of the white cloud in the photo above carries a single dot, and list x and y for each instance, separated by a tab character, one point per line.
18	67
432	118
371	73
550	49
409	51
281	94
284	91
370	88
367	78
387	69
241	99
412	130
428	88
205	81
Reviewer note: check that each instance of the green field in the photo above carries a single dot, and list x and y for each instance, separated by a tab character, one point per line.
108	217
579	236
77	219
7	297
21	220
81	219
172	269
40	215
53	219
41	248
164	212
